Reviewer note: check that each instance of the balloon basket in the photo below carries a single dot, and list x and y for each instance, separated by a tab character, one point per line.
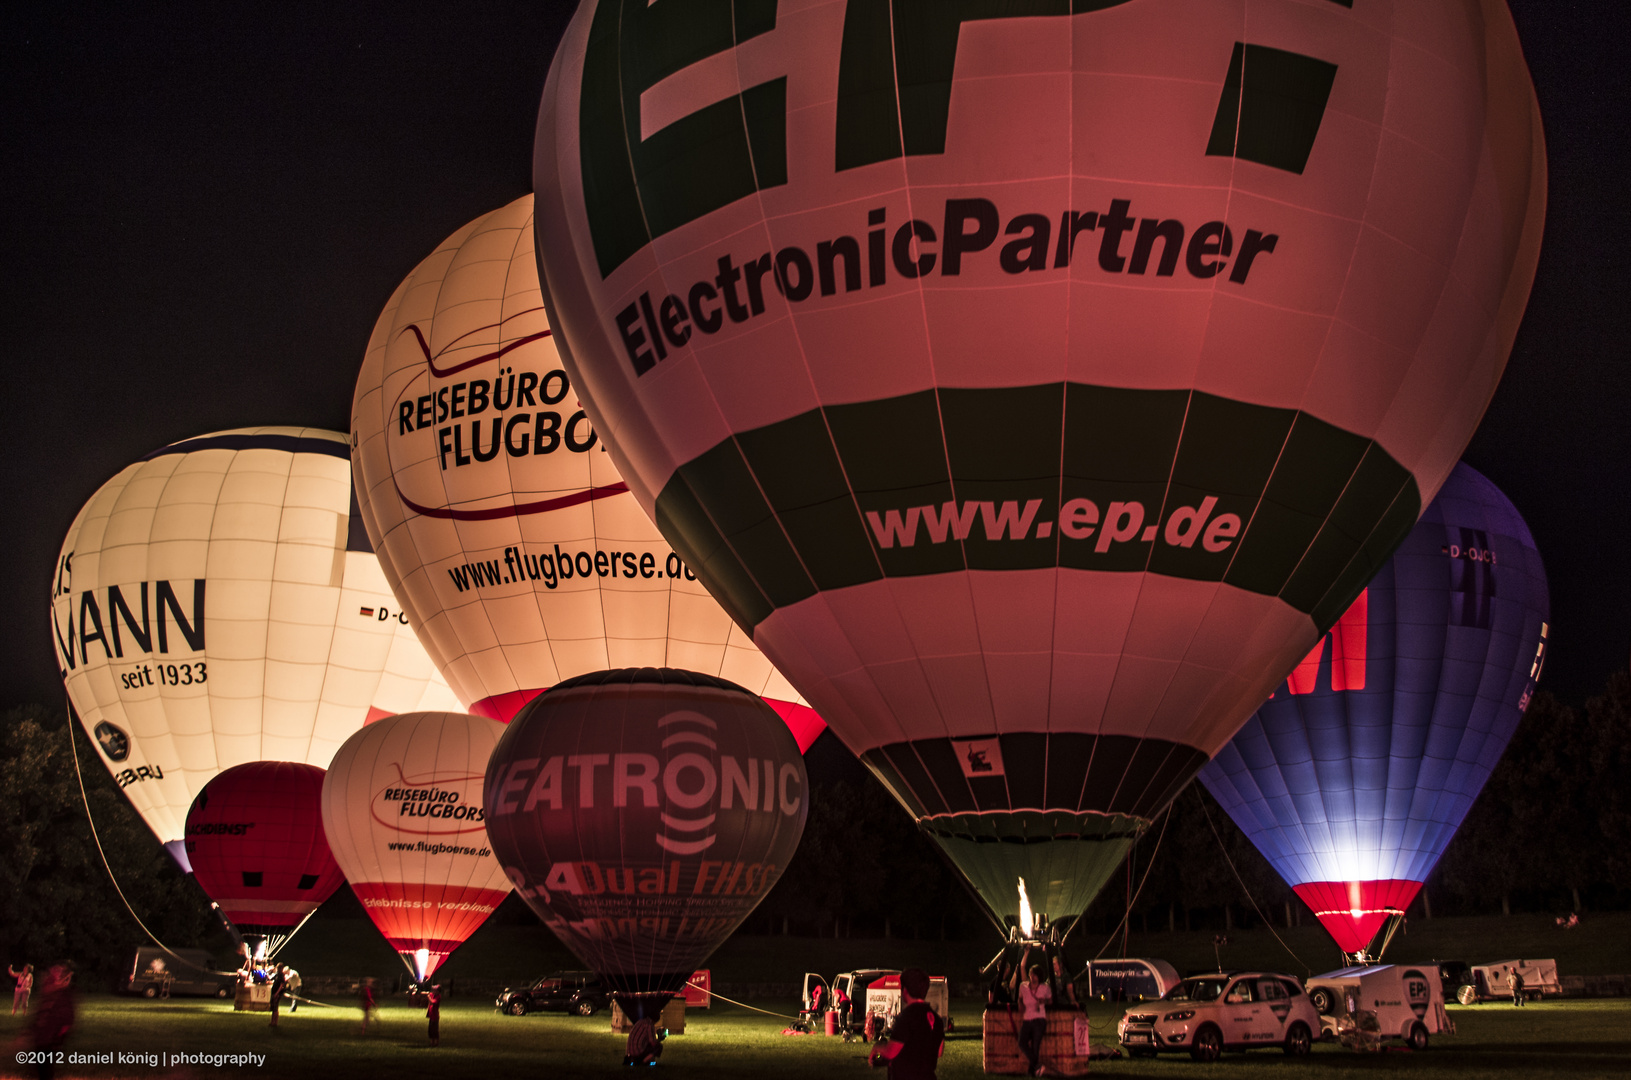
672	1018
1065	1049
253	997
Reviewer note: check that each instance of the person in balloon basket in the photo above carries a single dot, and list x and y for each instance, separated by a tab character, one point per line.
433	1013
53	1017
1514	983
25	983
1035	996
280	986
918	1036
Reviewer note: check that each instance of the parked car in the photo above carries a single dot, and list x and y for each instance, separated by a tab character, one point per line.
174	972
578	992
1390	1001
1208	1014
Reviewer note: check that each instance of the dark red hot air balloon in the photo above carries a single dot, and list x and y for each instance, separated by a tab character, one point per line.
643	814
255	839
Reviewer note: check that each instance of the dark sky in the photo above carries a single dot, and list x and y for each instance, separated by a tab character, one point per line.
206	206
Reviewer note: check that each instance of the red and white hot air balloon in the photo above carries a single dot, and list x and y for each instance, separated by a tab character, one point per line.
256	842
503	525
402	805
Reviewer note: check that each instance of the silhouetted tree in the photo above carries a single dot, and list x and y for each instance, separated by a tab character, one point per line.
56	900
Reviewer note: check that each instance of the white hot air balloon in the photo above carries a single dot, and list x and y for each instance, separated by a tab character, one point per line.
503	525
402	809
215	603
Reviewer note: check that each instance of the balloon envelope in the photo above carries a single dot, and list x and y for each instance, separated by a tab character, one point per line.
643	814
255	839
500	520
1036	390
402	810
217	603
1353	778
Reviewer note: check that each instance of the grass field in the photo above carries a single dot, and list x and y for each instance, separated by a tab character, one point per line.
1552	1039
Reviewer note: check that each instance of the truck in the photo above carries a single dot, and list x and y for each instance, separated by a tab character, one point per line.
871	992
162	973
1378	1002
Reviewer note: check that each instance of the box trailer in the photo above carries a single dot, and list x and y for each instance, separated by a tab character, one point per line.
1488	981
1130	980
1380	1002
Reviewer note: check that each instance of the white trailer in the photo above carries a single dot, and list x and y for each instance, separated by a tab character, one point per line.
1489	981
1388	1001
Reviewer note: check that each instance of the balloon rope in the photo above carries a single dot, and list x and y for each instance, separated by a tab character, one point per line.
84	798
745	1005
284	940
1243	887
1127	915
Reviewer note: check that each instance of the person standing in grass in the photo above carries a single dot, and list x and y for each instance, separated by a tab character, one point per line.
25	983
53	1017
292	984
1514	983
433	1012
918	1037
365	997
280	983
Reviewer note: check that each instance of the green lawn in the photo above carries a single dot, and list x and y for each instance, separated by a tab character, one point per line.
1553	1039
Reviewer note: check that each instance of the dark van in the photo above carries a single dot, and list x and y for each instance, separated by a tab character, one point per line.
172	972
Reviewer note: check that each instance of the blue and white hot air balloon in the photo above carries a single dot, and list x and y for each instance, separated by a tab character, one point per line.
1354	776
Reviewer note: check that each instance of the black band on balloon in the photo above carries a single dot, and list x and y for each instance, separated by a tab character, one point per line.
292	444
1061	771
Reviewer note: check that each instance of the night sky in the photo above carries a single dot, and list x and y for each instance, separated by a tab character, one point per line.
206	206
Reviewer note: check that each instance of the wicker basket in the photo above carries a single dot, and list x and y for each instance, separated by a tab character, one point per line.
1059	1057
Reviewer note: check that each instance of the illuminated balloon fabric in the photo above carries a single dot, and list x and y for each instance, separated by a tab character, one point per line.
534	564
255	839
1353	778
402	810
643	814
216	603
1036	416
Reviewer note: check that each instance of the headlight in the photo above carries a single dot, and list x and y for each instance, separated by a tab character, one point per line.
1182	1015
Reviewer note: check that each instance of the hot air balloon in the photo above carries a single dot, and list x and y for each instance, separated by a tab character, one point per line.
1354	776
1035	391
531	565
217	603
255	840
402	810
643	814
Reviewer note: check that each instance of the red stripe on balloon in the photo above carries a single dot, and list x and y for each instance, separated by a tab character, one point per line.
492	513
804	722
442	373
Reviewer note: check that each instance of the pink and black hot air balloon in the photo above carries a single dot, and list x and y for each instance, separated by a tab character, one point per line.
1354	776
643	813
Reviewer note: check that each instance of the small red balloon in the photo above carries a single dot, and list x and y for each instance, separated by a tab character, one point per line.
255	839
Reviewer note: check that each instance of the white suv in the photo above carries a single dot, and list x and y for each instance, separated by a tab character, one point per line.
1208	1014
